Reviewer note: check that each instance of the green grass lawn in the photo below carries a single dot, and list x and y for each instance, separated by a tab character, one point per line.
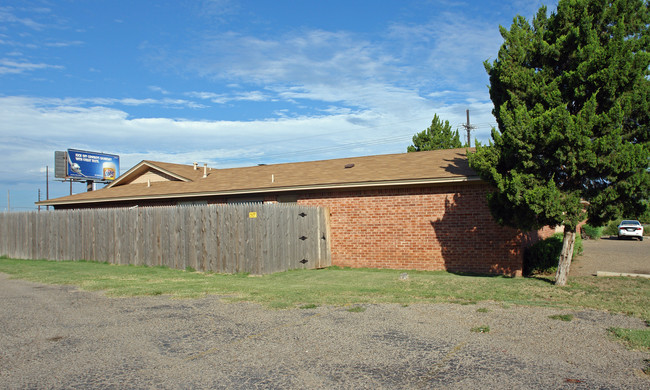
338	286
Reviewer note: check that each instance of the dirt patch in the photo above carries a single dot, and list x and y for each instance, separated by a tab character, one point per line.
57	337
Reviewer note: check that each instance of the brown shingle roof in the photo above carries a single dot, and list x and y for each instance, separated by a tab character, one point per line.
370	171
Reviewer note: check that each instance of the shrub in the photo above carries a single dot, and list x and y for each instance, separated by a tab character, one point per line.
577	247
612	228
543	256
592	232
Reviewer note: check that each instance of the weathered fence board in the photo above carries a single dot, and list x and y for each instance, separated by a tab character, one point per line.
253	238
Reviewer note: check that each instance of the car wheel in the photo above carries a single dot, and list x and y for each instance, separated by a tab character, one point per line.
641	238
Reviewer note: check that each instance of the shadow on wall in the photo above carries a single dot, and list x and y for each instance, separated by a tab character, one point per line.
473	243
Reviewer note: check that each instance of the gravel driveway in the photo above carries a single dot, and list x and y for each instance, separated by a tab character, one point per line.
57	337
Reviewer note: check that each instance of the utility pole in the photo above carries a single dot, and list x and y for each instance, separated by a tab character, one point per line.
47	185
469	128
39	199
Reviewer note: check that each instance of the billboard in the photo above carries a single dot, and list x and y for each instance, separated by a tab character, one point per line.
60	165
84	165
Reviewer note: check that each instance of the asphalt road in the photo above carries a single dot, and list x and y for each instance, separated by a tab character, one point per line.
56	337
612	255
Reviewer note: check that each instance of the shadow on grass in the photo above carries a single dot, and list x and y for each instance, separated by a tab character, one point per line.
544	278
480	275
550	279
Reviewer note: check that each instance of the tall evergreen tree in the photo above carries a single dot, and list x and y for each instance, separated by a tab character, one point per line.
571	95
438	136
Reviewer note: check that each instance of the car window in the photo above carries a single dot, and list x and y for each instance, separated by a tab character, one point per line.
630	223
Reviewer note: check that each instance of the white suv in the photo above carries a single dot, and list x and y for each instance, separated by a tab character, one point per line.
630	228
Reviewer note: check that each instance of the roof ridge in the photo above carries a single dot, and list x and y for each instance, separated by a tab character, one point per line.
397	169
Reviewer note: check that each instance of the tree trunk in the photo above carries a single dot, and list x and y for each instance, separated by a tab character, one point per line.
566	256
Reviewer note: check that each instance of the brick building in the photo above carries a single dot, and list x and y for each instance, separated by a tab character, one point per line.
424	210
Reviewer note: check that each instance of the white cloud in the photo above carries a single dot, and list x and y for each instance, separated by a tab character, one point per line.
8	66
158	89
64	44
216	9
205	95
80	104
7	16
222	98
299	58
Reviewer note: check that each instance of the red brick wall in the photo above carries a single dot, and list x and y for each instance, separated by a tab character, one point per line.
446	227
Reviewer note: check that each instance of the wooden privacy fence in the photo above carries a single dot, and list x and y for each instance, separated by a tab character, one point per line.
254	238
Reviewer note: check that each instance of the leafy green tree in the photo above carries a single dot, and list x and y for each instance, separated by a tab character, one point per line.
438	136
571	95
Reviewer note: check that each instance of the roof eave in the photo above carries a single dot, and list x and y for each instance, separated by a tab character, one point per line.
335	186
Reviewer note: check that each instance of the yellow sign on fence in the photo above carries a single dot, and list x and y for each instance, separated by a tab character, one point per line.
252	214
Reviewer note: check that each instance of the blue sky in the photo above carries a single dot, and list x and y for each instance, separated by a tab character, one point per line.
235	83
